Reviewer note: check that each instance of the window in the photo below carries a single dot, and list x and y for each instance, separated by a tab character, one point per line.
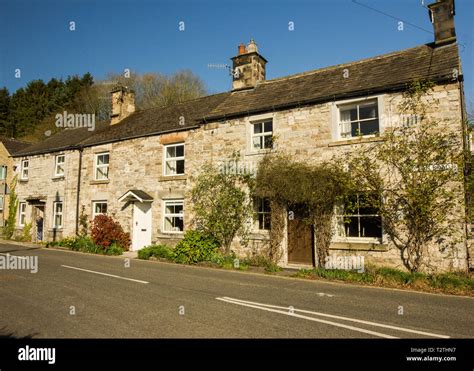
262	209
99	208
174	159
102	166
3	172
22	213
24	169
1	202
359	218
358	119
262	135
57	215
173	220
59	165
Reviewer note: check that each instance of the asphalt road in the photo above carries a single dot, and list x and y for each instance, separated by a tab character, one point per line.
75	295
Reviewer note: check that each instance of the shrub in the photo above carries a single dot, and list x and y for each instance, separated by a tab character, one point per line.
106	232
195	247
157	251
85	244
25	235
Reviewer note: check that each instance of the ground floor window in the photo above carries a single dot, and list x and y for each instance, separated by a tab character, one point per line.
58	215
357	217
22	214
173	216
99	208
262	211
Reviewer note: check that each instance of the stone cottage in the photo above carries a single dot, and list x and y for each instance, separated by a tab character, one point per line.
8	147
139	167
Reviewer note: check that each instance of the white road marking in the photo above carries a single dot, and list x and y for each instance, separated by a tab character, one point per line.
310	318
238	301
104	274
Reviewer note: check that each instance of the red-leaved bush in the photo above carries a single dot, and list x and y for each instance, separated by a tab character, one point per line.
105	231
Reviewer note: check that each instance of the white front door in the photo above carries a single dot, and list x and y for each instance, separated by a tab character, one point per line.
141	235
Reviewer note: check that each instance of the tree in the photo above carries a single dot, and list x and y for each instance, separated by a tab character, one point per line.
221	204
5	126
416	171
315	189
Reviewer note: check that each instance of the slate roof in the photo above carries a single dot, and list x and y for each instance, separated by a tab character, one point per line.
378	74
14	145
388	72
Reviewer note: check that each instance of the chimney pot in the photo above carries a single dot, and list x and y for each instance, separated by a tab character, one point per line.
241	49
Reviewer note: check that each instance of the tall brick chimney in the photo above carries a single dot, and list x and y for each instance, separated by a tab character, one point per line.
123	103
442	16
248	67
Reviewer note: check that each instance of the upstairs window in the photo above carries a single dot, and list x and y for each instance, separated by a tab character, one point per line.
358	218
3	172
358	119
24	169
59	165
174	159
262	135
102	166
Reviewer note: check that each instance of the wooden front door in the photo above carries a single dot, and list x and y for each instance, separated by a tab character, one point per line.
300	240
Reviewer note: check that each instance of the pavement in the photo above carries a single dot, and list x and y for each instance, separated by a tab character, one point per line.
78	295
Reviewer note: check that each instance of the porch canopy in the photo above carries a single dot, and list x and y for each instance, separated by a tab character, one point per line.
135	195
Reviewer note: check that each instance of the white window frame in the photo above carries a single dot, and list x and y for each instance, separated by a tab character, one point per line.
259	210
3	172
97	166
335	116
177	201
2	201
340	238
357	105
21	214
94	203
57	163
23	169
167	159
57	213
261	135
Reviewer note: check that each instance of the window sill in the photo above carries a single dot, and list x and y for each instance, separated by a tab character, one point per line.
165	178
261	235
259	152
23	180
356	140
170	235
58	177
358	245
105	181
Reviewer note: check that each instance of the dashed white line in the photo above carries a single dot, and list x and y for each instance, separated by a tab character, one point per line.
286	311
104	274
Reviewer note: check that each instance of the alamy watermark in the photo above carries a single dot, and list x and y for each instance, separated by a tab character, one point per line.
236	167
19	262
349	262
75	120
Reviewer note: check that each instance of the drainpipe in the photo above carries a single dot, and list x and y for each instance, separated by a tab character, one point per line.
78	190
466	147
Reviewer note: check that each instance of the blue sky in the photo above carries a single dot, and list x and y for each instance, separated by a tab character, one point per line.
144	36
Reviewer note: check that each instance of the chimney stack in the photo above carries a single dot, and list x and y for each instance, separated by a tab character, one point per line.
248	67
442	16
123	103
